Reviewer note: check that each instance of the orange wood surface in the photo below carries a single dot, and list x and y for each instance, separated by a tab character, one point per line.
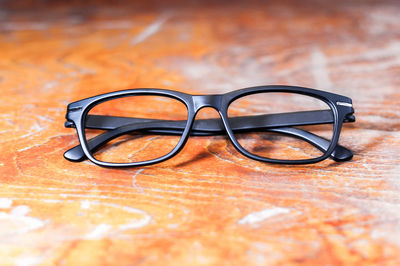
209	205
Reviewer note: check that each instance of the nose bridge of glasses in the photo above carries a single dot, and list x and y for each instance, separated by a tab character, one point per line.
201	101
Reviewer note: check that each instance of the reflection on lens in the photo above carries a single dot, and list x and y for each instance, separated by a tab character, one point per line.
294	112
137	123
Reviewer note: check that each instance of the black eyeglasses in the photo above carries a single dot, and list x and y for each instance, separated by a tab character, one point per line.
274	124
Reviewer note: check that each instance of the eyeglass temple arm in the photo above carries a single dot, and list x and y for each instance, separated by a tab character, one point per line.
272	122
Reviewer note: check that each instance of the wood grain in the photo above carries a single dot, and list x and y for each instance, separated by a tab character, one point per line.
209	205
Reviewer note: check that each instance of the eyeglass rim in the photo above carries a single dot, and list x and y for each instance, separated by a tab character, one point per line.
322	95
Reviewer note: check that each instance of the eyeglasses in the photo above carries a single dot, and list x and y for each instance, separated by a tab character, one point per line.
274	124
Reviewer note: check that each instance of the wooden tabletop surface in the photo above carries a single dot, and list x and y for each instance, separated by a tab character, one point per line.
209	205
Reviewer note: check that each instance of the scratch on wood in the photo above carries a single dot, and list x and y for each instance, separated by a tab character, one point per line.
5	203
103	230
134	180
99	232
137	223
257	217
150	29
21	210
18	216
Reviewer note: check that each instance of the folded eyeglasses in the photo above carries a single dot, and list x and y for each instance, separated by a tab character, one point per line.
273	124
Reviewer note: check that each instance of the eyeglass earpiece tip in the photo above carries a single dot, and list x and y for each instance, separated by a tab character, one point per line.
75	154
341	154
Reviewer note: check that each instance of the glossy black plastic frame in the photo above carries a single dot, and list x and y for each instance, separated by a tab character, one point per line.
341	111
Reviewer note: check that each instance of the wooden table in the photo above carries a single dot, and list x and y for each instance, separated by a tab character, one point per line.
209	205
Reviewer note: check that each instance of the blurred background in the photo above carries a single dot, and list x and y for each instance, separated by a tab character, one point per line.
204	45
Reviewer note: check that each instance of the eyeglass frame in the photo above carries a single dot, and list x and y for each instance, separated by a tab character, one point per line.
341	106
